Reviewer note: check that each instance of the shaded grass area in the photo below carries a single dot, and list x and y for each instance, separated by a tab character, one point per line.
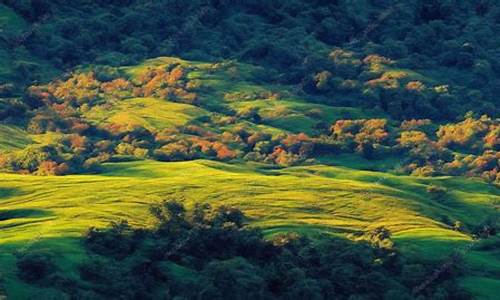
52	212
12	137
356	161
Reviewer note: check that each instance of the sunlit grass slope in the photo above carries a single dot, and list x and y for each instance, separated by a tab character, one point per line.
150	113
51	212
238	88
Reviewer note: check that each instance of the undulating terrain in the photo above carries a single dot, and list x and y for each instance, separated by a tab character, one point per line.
346	149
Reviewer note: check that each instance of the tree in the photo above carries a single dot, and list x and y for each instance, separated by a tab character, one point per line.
35	267
235	278
250	113
30	158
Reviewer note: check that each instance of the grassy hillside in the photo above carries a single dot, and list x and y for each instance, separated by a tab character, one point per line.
329	194
12	137
150	113
50	213
318	117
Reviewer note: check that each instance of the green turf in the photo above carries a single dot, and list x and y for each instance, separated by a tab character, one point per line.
296	115
12	138
52	212
482	287
150	113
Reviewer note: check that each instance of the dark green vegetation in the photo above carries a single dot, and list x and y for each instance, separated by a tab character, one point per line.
369	127
209	254
425	58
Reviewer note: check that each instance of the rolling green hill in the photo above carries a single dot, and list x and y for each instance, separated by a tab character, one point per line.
324	118
51	213
330	195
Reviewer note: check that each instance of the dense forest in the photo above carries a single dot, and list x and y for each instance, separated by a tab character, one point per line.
390	104
449	42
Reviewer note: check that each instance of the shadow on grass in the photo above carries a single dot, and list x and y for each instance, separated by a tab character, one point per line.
9	192
23	213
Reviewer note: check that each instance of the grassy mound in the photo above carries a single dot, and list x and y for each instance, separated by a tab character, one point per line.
150	113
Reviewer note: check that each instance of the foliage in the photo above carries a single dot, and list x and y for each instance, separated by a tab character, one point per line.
35	267
224	259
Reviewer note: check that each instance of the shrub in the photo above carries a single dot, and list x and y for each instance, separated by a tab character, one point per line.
48	167
35	267
30	158
174	152
251	114
436	192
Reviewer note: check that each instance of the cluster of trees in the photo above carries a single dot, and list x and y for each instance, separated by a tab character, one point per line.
467	148
60	107
117	32
192	142
80	91
167	84
11	109
376	81
209	253
67	154
283	150
367	137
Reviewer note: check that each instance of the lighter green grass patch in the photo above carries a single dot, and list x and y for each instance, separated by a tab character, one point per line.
150	113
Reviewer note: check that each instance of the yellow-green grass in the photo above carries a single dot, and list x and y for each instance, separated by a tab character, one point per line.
406	74
300	116
13	138
51	213
150	113
163	61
